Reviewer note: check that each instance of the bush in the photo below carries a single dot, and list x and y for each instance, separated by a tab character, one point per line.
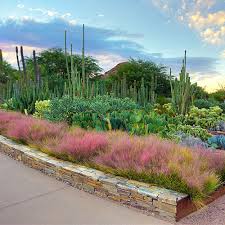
87	112
205	118
194	131
217	141
190	141
205	103
41	107
222	106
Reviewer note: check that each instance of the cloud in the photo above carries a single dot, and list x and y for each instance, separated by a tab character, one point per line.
20	6
28	31
100	15
200	65
108	46
215	80
223	54
211	26
9	53
107	60
203	16
114	44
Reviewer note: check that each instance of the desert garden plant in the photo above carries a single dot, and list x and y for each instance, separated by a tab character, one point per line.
149	159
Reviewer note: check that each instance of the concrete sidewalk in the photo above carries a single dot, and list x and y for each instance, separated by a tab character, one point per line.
30	197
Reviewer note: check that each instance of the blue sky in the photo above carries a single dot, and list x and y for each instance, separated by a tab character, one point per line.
158	30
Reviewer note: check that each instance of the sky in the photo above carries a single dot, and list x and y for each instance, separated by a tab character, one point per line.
116	30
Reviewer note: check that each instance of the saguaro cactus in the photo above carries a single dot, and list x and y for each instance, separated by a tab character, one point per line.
181	90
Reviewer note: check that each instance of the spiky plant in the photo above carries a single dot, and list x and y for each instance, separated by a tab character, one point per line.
181	90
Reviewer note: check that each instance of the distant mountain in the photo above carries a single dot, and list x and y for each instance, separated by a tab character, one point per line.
114	69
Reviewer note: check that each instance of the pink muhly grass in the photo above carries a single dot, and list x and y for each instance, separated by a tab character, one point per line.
215	159
7	118
123	154
33	131
192	168
155	155
82	148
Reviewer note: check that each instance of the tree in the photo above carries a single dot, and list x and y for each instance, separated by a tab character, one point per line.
199	92
219	95
52	63
136	70
7	72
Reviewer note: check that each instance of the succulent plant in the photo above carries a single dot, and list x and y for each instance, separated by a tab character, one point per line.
190	141
217	141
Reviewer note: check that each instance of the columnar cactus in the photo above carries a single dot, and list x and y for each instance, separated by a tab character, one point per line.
36	69
66	55
18	61
181	90
23	63
1	61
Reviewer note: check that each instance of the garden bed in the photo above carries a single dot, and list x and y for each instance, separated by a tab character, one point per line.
159	165
152	200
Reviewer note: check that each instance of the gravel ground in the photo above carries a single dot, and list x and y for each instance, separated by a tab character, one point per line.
213	214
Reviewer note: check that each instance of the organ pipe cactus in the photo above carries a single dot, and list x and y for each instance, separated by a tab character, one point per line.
36	69
18	61
1	62
67	64
181	90
23	63
83	56
1	58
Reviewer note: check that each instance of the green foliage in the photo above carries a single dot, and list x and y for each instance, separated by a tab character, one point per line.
182	91
205	103
23	97
154	75
195	131
217	141
219	95
41	107
109	113
167	109
53	67
87	112
222	106
200	93
205	118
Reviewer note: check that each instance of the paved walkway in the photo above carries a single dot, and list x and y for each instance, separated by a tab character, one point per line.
30	197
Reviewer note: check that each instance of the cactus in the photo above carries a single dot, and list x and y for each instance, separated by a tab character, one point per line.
1	58
18	61
153	86
36	69
67	64
23	63
181	90
83	56
1	62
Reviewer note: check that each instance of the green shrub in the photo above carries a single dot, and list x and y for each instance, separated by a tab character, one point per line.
222	106
194	131
41	107
88	113
205	103
205	118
